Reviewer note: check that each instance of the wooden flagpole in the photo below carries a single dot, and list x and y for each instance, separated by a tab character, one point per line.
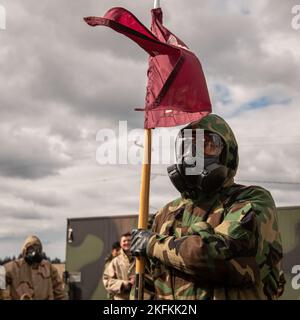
143	212
144	204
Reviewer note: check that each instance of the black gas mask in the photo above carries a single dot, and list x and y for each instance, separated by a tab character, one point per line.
198	167
34	254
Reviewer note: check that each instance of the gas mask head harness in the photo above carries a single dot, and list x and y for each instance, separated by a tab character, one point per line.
34	254
198	167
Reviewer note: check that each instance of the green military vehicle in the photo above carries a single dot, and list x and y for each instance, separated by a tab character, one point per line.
89	241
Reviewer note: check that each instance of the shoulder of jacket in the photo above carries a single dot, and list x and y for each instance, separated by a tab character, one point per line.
108	259
48	266
115	262
255	193
47	263
116	259
13	265
174	205
256	197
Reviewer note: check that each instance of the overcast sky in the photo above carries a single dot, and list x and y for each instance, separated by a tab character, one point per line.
62	81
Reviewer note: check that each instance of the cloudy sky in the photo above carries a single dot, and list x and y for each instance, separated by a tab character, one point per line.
62	81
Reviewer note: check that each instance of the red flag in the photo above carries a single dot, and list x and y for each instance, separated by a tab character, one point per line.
176	92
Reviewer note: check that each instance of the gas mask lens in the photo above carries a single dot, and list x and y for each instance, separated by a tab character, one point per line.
196	144
213	144
198	165
189	147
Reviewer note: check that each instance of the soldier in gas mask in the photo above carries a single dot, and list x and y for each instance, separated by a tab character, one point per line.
32	277
219	240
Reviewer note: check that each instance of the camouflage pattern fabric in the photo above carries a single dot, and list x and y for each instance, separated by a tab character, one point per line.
222	246
116	276
4	295
108	260
25	282
86	258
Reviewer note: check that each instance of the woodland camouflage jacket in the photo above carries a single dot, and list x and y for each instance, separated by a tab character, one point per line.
222	246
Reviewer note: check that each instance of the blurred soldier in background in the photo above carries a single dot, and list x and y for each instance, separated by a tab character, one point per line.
32	277
219	240
116	278
2	283
115	251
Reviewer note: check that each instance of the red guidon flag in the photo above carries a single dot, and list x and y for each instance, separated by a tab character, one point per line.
176	92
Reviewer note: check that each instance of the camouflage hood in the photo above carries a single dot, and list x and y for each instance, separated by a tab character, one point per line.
229	156
31	240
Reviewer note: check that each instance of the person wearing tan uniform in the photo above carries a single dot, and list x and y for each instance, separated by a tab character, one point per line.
2	283
32	277
115	251
116	278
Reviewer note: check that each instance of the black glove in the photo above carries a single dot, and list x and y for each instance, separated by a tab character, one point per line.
139	242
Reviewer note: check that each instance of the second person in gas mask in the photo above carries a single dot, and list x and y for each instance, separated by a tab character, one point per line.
32	277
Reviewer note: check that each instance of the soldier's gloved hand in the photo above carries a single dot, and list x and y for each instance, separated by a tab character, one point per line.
139	242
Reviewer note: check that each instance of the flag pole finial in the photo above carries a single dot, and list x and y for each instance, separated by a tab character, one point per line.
156	4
